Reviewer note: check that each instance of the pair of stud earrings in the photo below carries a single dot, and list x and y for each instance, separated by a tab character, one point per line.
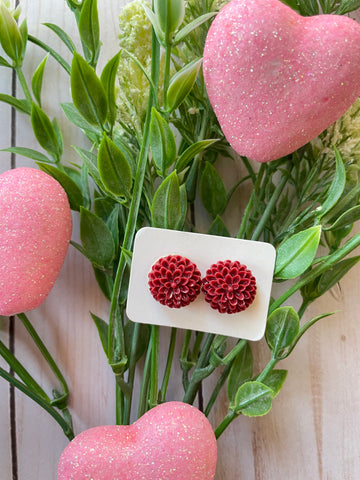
228	286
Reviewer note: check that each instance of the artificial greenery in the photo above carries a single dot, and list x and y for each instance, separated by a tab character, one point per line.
152	158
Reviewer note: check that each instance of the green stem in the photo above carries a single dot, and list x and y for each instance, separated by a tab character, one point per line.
131	373
197	375
64	424
154	377
168	366
23	84
143	396
231	415
245	218
44	352
219	384
270	206
21	371
269	367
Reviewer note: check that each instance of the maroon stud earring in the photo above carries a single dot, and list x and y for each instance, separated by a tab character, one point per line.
229	286
174	281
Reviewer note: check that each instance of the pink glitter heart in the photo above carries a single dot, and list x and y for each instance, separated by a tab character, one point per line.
36	224
276	79
173	441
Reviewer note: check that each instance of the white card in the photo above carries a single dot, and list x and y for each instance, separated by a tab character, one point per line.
203	250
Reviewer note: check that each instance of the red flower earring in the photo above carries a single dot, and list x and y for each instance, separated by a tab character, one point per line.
174	281
229	286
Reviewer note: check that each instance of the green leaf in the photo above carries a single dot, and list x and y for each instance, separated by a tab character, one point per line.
336	188
90	160
44	131
52	52
347	6
10	36
64	37
78	120
155	23
328	279
184	32
241	371
162	142
24	36
295	254
170	15
115	172
89	30
104	280
253	399
281	329
21	105
108	78
181	84
219	228
96	239
71	188
347	218
212	191
4	63
29	153
165	208
87	91
194	149
275	380
103	331
37	80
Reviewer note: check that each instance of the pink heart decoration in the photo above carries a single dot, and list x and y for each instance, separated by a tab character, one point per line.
276	79
35	231
173	441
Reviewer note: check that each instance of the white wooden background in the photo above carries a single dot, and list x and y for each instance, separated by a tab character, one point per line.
313	430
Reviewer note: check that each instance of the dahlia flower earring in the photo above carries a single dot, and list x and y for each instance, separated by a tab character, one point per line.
229	286
174	281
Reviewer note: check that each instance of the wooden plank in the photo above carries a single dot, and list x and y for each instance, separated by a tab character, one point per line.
314	427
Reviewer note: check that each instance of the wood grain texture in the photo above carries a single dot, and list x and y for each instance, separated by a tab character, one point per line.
313	430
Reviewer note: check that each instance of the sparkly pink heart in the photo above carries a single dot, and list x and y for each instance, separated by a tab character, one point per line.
36	224
173	441
276	79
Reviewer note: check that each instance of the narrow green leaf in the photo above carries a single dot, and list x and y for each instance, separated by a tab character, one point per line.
64	37
29	153
184	32
77	119
253	399
165	208
241	371
89	29
183	207
96	239
155	23
21	105
103	331
162	142
219	228
71	188
37	80
115	172
61	61
104	280
347	218
194	149
281	329
347	6
4	63
181	84
296	253
44	131
142	343
87	91
108	78
212	191
10	36
328	279
336	188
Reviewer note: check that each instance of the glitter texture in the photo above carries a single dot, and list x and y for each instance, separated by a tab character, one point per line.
276	79
174	281
229	286
173	441
35	231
